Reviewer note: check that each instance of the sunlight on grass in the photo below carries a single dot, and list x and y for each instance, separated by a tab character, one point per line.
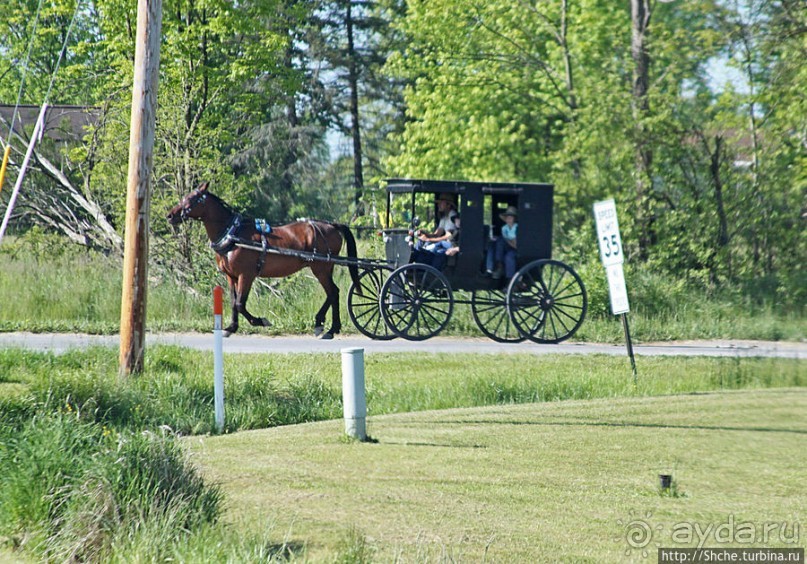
531	483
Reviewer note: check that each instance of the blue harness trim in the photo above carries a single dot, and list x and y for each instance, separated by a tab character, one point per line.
262	226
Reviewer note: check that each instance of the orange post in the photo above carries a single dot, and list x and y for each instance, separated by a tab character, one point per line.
218	299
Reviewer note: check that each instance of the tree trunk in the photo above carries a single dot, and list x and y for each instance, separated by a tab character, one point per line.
717	184
643	153
292	121
353	80
567	65
753	127
567	59
715	160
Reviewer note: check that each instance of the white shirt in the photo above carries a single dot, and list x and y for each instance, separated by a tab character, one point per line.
447	222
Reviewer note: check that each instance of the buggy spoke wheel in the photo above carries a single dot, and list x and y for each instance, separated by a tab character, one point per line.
489	308
547	301
416	302
363	308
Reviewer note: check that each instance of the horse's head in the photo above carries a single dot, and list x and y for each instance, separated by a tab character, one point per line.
190	207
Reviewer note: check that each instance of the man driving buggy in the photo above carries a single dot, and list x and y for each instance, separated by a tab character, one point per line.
430	248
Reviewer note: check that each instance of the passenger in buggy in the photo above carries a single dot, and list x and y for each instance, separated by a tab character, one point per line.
502	253
431	248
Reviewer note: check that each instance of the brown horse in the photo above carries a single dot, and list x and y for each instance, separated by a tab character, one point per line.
225	227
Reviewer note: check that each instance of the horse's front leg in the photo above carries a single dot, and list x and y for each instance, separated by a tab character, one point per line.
244	287
233	327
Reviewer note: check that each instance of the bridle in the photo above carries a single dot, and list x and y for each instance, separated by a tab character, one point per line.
195	198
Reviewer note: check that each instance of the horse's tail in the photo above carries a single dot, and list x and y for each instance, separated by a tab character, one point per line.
351	252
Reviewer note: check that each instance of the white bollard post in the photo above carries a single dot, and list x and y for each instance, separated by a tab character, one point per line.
218	358
353	399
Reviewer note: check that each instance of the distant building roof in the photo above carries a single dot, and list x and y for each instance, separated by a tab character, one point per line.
62	123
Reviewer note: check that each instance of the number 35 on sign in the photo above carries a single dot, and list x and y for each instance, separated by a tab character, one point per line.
608	233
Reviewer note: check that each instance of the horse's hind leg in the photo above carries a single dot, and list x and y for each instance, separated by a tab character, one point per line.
325	277
319	318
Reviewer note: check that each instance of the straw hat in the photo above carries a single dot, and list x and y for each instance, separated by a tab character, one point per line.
447	197
511	210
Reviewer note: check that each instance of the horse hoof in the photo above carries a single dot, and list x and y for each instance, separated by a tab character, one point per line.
327	336
318	330
265	322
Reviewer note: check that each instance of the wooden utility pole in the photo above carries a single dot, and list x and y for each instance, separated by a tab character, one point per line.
141	157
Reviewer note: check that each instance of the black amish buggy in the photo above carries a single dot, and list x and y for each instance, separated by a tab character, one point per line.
545	301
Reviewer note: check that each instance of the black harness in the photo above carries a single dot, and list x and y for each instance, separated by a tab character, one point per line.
262	227
227	242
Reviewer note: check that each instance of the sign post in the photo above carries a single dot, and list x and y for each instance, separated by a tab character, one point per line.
610	243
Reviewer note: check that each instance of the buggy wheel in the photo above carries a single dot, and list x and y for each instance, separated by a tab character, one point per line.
363	308
547	301
490	313
416	302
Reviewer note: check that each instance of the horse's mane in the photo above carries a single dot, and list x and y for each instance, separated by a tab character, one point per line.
224	204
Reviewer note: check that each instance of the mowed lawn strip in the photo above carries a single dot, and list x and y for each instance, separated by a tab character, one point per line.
538	482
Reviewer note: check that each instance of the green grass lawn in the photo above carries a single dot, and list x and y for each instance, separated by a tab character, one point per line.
547	480
557	481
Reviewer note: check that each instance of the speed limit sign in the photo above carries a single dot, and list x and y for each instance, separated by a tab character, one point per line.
608	233
612	258
611	254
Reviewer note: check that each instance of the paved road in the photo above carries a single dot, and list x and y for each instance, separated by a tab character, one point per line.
300	344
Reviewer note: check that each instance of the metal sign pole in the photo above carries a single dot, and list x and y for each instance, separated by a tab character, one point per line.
629	344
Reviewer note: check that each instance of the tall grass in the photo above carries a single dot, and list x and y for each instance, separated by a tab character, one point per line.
72	489
79	291
267	390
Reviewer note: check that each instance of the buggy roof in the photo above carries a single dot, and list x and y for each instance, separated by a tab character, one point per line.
414	185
